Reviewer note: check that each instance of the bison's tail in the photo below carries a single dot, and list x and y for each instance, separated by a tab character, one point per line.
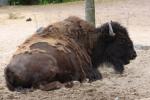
9	77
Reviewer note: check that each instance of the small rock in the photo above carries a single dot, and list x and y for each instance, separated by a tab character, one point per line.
28	19
117	98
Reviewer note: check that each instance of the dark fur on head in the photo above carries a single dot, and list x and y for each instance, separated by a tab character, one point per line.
117	50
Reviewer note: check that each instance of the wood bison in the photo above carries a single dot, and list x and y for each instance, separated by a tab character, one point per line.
66	51
53	57
113	46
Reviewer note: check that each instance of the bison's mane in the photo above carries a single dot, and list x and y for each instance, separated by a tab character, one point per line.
73	27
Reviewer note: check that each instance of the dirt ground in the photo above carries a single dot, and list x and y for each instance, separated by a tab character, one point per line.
134	84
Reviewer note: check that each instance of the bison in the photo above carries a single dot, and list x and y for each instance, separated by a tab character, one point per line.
53	57
113	46
67	51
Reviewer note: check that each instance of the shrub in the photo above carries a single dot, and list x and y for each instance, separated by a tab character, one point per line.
33	2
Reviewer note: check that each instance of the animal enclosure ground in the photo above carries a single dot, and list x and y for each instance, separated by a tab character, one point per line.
134	84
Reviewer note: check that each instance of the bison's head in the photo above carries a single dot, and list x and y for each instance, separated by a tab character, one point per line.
113	46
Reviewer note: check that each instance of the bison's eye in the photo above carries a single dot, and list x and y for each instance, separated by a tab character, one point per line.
123	40
130	45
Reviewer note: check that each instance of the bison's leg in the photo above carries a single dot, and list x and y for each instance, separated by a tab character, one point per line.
97	74
51	86
55	85
94	75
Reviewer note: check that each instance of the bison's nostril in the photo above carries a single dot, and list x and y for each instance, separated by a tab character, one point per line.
134	55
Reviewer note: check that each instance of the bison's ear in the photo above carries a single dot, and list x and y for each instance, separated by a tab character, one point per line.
111	32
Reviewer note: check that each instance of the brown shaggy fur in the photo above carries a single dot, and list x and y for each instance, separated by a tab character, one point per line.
81	31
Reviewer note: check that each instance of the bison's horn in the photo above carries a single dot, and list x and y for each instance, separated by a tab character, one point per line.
111	32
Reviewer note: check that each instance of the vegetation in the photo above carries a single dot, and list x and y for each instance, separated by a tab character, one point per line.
33	2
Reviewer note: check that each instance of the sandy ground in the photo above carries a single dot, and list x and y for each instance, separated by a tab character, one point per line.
134	84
